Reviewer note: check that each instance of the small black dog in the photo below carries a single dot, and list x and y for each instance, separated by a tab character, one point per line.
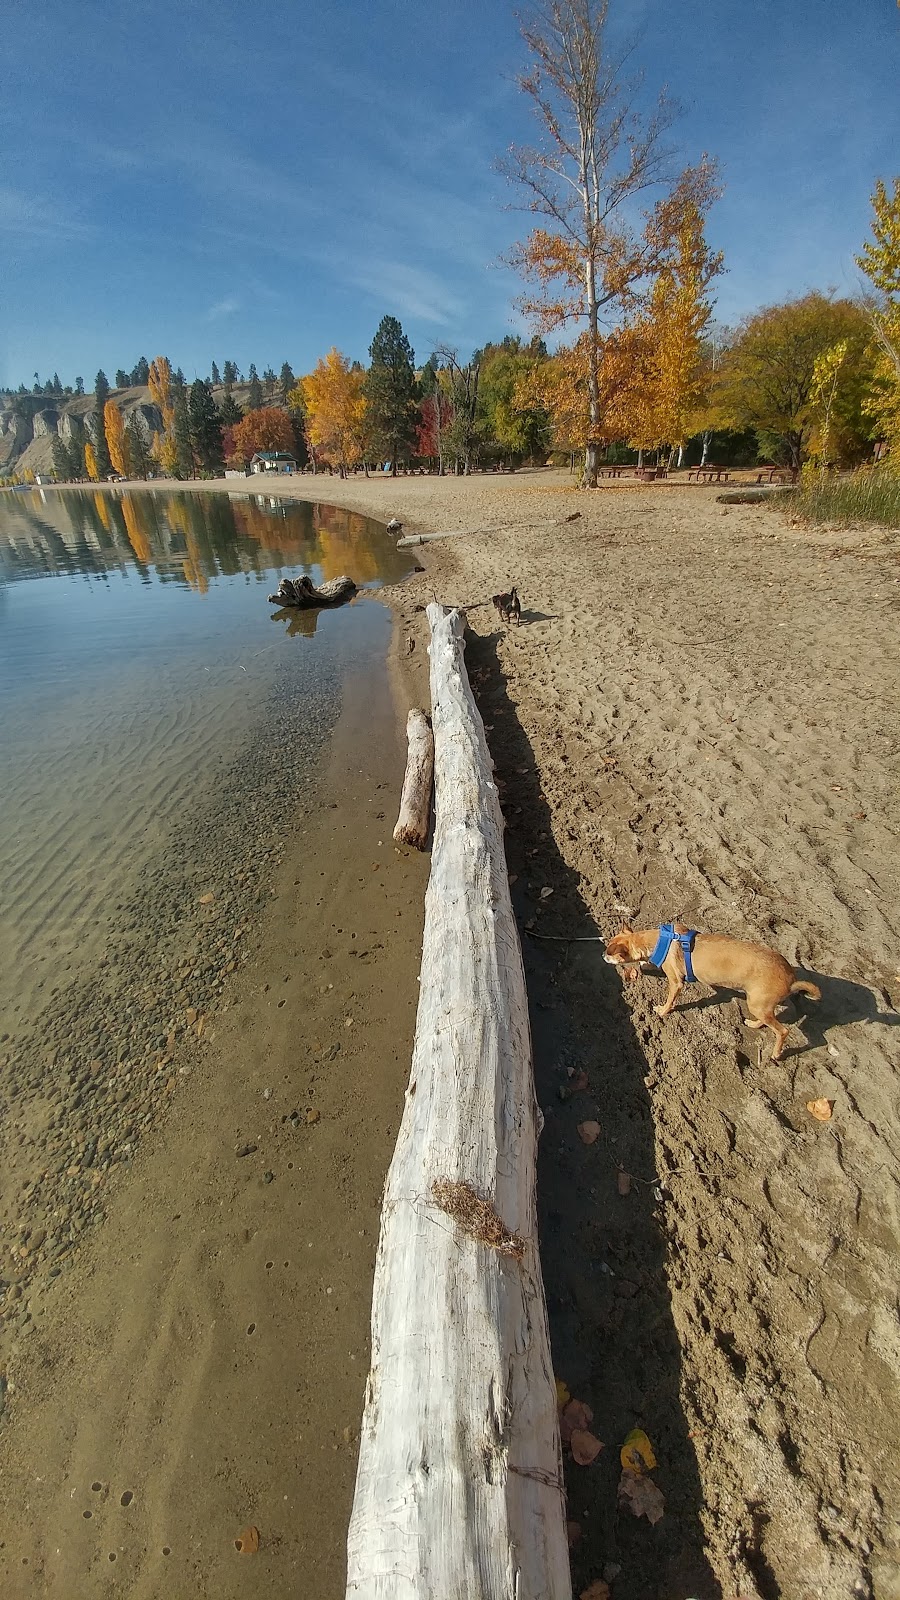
508	606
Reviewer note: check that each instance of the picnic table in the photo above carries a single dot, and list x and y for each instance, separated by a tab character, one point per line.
776	475
709	474
612	472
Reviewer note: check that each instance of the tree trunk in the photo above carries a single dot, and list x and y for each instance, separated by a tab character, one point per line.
459	1492
415	800
706	440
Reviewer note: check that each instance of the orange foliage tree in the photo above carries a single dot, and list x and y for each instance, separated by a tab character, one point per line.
159	381
90	461
270	428
590	264
336	409
116	443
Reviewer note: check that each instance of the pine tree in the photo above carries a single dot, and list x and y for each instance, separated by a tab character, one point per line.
230	411
229	372
287	382
206	427
390	390
255	398
184	453
61	465
79	386
101	453
57	386
140	372
138	453
121	378
214	375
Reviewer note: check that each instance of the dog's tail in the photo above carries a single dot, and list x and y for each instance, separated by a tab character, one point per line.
802	987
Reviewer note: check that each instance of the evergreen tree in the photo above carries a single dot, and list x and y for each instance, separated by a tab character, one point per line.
214	375
121	378
101	450
287	381
180	377
390	391
230	411
255	399
61	466
184	453
206	427
141	372
138	453
57	386
229	372
79	386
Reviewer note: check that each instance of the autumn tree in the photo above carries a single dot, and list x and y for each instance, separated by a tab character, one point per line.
206	427
336	406
767	378
90	461
101	395
517	421
390	391
116	443
589	261
880	261
464	436
435	415
267	429
160	383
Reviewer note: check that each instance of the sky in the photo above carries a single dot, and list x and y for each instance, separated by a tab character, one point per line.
213	181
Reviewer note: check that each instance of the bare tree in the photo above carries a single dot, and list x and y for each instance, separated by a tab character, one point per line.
597	155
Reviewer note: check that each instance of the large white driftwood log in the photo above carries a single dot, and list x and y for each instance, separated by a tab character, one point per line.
415	799
459	1491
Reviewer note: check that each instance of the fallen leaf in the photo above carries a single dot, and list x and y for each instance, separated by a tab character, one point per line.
546	893
641	1496
577	1081
860	816
598	1590
312	1116
636	1453
820	1109
588	1132
623	1182
585	1447
513	878
206	899
562	1393
247	1542
576	1415
573	1533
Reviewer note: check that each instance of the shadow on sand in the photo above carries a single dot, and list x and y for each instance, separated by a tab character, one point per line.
604	1254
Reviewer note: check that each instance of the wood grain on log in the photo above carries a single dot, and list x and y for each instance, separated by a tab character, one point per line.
459	1492
303	592
415	800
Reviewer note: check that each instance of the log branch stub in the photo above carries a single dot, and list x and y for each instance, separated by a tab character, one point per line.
415	800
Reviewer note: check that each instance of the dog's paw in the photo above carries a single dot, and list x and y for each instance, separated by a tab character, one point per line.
628	974
661	1011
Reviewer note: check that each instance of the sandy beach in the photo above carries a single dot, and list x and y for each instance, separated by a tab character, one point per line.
697	717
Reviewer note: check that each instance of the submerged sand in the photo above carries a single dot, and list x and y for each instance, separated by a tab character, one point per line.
697	716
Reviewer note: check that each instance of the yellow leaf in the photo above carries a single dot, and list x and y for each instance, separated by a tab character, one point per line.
247	1541
562	1394
636	1453
820	1109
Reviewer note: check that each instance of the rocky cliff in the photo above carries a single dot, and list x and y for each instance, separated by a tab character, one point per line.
28	424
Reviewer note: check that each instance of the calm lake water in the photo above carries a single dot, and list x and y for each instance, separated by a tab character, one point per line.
142	673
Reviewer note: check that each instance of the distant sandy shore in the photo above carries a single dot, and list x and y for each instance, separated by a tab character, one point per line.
696	717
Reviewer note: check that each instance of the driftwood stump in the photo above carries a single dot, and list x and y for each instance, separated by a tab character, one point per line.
459	1489
303	592
415	801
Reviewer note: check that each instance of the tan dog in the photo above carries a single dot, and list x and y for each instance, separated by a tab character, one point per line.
764	976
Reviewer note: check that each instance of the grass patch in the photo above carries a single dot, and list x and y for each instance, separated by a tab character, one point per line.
867	497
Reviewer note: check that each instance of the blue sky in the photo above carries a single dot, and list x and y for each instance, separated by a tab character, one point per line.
258	182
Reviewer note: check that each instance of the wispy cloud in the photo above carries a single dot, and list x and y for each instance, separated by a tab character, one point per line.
223	308
28	216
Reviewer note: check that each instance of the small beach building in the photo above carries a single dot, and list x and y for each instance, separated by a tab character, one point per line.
272	461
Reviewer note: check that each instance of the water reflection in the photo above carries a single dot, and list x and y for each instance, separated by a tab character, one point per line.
188	539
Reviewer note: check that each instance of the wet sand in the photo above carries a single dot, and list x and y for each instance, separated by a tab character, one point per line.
200	1366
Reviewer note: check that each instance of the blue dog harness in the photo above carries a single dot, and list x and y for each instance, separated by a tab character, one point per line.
668	937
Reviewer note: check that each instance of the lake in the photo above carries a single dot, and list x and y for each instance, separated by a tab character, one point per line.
156	712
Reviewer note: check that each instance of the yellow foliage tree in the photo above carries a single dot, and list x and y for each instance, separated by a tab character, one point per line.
159	382
116	443
880	261
336	409
90	461
591	266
